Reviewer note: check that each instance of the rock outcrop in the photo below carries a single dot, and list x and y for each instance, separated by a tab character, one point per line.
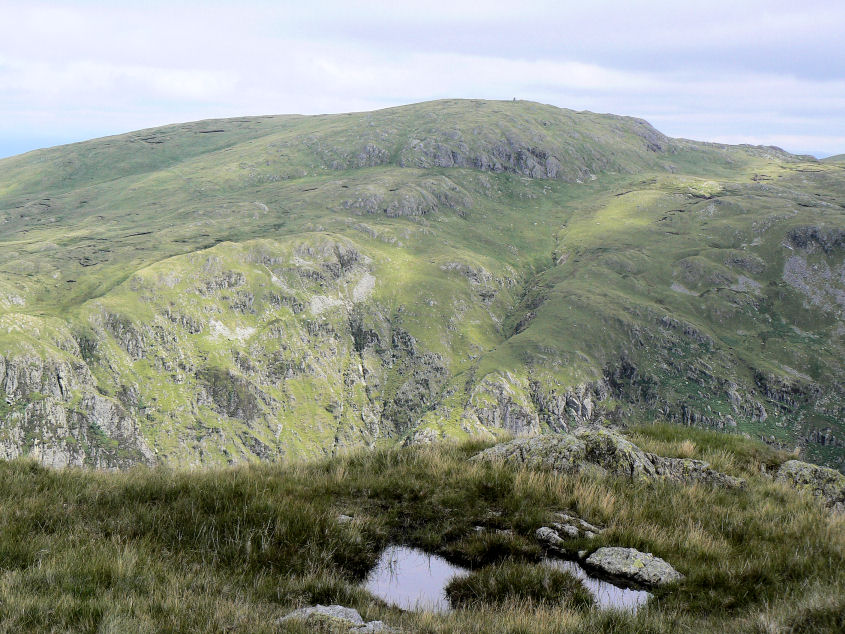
53	413
553	538
633	566
822	482
602	450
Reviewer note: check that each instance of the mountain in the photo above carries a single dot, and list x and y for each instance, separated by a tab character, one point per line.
261	287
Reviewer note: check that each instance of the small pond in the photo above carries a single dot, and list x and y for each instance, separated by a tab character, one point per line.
414	580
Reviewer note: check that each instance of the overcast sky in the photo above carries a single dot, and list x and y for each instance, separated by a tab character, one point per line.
738	71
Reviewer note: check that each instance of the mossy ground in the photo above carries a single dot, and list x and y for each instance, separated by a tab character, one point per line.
234	549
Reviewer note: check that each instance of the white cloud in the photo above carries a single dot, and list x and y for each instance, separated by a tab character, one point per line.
701	70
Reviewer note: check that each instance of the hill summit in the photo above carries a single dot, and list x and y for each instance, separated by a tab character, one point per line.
260	287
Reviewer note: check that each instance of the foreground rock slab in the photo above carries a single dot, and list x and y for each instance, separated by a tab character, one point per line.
336	618
824	483
602	450
634	566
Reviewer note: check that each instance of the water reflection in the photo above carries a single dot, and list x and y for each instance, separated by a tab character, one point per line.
412	579
605	593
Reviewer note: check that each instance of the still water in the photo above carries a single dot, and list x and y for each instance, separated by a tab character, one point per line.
414	580
605	594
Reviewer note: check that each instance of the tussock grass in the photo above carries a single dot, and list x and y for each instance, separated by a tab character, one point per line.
234	549
731	453
509	581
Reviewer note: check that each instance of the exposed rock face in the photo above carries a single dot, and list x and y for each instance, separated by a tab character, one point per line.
334	618
633	566
498	404
829	239
821	283
418	199
605	451
55	415
824	483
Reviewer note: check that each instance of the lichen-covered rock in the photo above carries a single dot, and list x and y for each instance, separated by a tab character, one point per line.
824	483
579	523
616	454
335	612
633	566
334	618
558	452
691	471
603	450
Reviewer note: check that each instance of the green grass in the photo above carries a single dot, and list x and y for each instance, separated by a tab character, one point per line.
234	549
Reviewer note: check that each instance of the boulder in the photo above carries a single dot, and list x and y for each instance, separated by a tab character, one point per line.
603	450
826	484
334	618
633	566
567	529
564	453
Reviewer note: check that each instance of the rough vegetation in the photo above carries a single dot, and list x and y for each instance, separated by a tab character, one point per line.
515	582
268	287
236	549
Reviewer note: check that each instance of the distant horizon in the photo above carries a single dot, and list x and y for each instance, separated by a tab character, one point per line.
61	141
762	72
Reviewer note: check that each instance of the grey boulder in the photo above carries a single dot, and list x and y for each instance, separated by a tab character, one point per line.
601	450
634	566
826	484
549	538
336	617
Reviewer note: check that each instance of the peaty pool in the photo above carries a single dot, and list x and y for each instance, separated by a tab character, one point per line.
414	580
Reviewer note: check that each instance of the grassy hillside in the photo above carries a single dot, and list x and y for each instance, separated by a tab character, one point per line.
234	549
246	289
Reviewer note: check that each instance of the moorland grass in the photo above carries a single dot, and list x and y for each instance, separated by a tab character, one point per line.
233	549
517	581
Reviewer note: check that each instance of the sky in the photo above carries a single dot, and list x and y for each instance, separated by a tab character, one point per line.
741	71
